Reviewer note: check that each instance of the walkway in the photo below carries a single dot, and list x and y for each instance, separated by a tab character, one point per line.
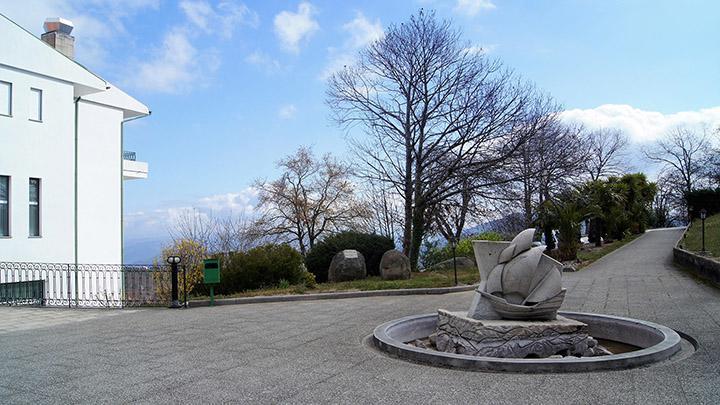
302	352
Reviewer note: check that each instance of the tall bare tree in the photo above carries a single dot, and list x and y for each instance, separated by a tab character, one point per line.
683	155
311	197
606	153
550	162
434	112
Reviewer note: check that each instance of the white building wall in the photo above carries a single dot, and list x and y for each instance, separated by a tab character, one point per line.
44	150
99	184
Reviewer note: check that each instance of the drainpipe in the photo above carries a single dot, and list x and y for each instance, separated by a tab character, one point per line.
75	216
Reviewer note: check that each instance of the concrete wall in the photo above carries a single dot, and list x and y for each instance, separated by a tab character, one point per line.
44	150
99	177
703	267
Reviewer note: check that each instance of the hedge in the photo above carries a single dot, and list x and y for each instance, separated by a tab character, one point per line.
371	246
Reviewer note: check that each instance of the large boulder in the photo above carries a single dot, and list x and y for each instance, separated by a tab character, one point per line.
394	265
347	265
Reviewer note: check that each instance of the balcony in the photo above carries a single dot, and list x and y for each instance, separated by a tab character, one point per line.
132	169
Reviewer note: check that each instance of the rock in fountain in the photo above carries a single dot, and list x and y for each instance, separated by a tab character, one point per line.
514	312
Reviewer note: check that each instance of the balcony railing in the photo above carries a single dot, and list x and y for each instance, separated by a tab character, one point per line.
127	155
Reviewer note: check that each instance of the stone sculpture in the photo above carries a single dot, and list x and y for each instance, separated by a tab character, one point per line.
347	265
514	312
518	281
394	265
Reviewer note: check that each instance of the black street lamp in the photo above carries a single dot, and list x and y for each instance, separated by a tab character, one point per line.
703	214
453	246
174	261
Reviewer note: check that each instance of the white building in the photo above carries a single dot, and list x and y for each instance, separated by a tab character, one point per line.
61	152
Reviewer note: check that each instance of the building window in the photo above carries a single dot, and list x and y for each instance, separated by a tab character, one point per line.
36	104
34	207
5	98
4	206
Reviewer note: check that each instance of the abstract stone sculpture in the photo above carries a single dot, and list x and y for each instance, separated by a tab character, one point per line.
347	265
514	313
518	281
394	265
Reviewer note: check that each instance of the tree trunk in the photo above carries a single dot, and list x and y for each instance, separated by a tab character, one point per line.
418	233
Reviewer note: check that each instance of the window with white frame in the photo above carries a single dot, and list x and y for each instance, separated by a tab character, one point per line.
5	98
4	205
36	104
34	207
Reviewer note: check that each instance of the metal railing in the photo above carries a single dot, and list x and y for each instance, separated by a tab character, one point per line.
128	155
85	285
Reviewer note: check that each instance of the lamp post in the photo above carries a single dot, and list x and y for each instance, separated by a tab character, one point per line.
453	245
174	261
703	214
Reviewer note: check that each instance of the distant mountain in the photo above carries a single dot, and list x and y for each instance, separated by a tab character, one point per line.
142	250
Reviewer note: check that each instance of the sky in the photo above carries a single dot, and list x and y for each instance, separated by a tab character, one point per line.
236	85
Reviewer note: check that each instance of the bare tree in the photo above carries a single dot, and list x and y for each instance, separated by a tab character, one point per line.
434	112
382	211
684	157
233	233
606	148
224	234
311	197
194	225
549	163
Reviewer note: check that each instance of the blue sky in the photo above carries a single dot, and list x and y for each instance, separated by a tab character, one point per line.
234	86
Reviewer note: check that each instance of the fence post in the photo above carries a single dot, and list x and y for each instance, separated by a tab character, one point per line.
77	287
185	302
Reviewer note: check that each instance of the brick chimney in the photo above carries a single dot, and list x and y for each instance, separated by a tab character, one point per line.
57	35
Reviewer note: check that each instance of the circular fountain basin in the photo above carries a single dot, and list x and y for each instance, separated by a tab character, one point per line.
655	342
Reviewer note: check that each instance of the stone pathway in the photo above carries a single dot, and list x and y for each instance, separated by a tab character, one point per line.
313	352
21	318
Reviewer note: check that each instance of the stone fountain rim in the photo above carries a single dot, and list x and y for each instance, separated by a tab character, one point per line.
663	350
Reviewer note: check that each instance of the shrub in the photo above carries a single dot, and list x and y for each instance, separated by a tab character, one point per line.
263	266
191	254
433	253
283	284
308	280
371	246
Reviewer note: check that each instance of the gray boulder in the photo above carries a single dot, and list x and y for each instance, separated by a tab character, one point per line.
347	265
394	265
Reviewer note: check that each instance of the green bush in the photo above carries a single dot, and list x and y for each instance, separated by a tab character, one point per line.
308	280
433	254
371	246
263	266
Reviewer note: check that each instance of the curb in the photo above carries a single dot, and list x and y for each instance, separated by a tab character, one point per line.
700	266
332	296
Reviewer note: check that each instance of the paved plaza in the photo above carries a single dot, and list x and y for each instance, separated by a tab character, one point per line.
313	352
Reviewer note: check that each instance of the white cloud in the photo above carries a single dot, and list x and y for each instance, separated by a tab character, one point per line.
265	62
473	7
360	32
292	28
157	222
173	68
231	203
287	111
641	125
223	19
477	49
